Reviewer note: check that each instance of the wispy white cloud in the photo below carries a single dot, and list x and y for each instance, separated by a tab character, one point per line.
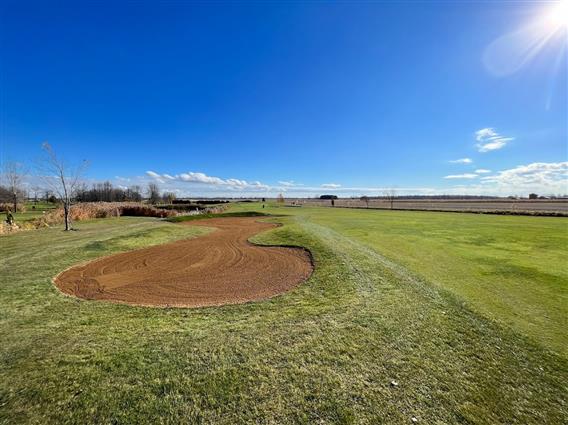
155	176
290	183
199	178
489	140
462	161
462	176
547	177
204	179
539	177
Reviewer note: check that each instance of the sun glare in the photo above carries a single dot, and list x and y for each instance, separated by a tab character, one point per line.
545	32
556	18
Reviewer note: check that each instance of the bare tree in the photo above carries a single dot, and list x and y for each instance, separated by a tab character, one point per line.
365	199
134	193
280	199
62	178
168	197
390	195
14	173
153	193
5	195
36	190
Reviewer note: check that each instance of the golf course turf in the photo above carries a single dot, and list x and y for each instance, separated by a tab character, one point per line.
395	296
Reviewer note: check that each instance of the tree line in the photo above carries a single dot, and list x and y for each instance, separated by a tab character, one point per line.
98	192
106	192
63	181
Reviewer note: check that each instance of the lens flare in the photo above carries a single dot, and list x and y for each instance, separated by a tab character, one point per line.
511	52
557	18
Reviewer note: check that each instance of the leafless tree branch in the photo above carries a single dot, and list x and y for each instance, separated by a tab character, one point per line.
390	195
61	178
14	173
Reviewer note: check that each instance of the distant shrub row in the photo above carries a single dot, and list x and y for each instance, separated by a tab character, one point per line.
93	210
8	206
180	207
200	202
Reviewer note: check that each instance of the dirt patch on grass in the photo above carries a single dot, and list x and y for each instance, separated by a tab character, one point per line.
219	268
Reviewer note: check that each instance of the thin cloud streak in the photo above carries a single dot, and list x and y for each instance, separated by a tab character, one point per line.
462	176
462	161
290	183
490	140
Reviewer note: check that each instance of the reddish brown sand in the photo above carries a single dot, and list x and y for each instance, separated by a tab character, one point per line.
221	267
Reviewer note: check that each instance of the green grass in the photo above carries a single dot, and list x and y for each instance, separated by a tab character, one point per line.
182	218
31	212
509	268
325	352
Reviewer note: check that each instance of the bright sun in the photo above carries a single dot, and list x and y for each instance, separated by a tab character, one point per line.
544	36
556	18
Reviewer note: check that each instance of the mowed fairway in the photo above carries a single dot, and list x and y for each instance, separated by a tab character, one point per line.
465	312
512	269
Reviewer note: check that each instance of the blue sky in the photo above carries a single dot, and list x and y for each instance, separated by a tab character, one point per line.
302	97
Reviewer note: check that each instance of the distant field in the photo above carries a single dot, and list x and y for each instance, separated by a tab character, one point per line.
512	205
466	313
33	210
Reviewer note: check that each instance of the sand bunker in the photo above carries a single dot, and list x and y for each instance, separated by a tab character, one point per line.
221	267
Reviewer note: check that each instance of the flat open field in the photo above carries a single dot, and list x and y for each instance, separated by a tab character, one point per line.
482	205
465	312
